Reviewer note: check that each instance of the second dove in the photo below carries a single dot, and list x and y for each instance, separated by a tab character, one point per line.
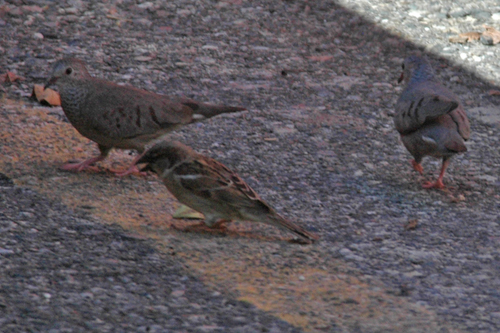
429	117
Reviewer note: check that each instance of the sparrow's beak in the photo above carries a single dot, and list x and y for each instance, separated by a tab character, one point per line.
50	82
401	77
147	167
144	159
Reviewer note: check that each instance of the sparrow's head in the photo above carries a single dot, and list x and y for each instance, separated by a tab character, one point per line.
67	69
164	155
416	68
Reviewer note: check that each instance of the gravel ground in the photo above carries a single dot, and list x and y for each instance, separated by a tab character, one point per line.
318	143
430	24
84	276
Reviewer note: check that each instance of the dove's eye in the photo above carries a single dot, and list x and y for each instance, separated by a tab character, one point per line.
69	70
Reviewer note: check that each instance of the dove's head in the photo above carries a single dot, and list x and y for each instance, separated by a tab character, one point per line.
164	156
67	70
416	68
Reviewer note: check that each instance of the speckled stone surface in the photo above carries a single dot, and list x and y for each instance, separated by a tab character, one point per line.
318	143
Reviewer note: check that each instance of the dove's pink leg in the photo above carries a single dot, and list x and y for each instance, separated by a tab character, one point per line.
417	166
439	181
87	164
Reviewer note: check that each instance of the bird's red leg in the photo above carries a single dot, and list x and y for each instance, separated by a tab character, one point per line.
439	182
217	227
417	167
220	224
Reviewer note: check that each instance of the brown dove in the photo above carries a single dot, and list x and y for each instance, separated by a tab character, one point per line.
123	117
429	117
211	188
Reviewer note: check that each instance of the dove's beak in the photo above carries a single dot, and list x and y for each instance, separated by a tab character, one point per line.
50	82
401	77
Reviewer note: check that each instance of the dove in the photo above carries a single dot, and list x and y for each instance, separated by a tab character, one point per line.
123	117
211	188
429	117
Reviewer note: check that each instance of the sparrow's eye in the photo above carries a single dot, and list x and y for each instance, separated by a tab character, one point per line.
69	70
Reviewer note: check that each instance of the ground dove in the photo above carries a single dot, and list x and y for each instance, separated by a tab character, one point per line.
211	188
123	117
429	117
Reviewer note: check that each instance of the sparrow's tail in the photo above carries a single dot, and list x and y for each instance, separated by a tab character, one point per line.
283	223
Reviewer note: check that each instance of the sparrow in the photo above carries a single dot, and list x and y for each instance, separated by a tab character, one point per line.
211	188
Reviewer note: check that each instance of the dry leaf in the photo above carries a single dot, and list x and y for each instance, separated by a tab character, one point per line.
46	96
37	91
458	198
321	58
493	33
10	77
460	40
144	58
494	92
165	28
411	225
473	35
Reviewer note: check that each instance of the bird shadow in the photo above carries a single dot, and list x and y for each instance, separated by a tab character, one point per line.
233	230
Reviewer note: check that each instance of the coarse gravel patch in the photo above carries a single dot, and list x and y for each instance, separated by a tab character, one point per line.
318	143
62	272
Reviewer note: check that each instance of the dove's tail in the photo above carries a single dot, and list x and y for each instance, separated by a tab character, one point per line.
205	110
